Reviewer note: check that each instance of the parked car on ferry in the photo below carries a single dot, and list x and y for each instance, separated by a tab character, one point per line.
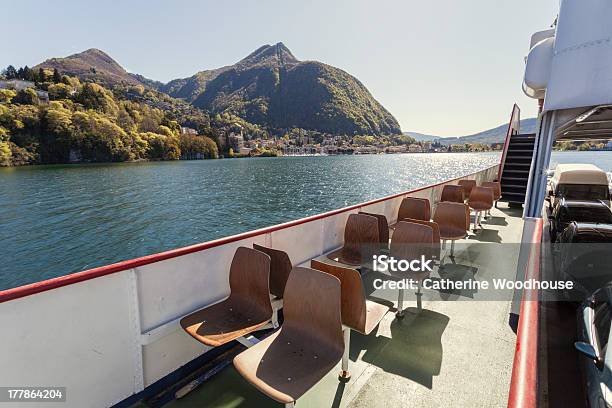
583	254
594	317
565	211
578	182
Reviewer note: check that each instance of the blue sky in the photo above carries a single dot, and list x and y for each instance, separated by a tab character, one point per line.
443	67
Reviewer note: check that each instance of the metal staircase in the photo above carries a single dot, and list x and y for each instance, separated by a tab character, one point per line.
515	168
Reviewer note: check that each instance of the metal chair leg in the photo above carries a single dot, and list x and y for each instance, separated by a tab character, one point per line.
400	304
345	374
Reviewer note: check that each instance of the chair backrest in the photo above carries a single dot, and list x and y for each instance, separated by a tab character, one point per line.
410	240
280	268
452	218
353	299
249	278
481	197
495	186
360	232
415	208
452	194
383	227
435	228
467	185
311	308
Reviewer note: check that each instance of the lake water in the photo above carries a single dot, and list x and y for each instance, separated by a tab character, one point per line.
56	220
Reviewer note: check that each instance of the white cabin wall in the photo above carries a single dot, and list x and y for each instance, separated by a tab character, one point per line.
79	336
581	72
300	242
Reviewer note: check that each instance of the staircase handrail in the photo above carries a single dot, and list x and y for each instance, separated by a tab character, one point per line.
514	127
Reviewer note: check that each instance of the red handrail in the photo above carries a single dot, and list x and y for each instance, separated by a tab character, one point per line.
37	287
513	125
524	381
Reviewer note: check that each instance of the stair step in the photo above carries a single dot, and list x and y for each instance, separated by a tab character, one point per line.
508	164
521	145
513	197
513	186
530	152
512	200
510	181
509	159
513	171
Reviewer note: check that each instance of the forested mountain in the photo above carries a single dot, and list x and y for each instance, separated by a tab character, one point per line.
270	88
86	122
95	65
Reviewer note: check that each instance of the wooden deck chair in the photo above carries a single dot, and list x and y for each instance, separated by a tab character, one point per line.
415	208
454	222
411	241
435	250
452	194
496	186
247	309
383	229
358	313
481	201
467	185
307	347
360	240
280	268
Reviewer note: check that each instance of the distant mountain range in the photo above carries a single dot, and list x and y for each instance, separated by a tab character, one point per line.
270	87
495	135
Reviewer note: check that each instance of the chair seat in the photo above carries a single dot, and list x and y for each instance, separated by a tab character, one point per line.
284	367
374	314
450	232
481	206
345	257
223	322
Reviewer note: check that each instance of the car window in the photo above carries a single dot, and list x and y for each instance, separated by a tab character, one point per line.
591	237
583	192
601	324
589	214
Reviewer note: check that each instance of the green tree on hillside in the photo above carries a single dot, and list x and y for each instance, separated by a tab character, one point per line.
10	72
57	78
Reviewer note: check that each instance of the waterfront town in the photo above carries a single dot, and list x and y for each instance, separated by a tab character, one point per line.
299	142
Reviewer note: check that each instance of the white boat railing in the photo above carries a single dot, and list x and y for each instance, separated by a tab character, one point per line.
109	332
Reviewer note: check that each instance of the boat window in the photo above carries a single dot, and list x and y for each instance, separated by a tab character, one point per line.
583	192
602	327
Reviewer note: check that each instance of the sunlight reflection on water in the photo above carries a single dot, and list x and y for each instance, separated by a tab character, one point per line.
62	219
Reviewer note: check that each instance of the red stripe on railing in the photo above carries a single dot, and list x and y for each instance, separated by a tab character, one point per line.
37	287
524	382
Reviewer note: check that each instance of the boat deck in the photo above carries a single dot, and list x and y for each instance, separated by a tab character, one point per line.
452	353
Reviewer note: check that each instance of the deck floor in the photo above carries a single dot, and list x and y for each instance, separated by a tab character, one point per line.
452	353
